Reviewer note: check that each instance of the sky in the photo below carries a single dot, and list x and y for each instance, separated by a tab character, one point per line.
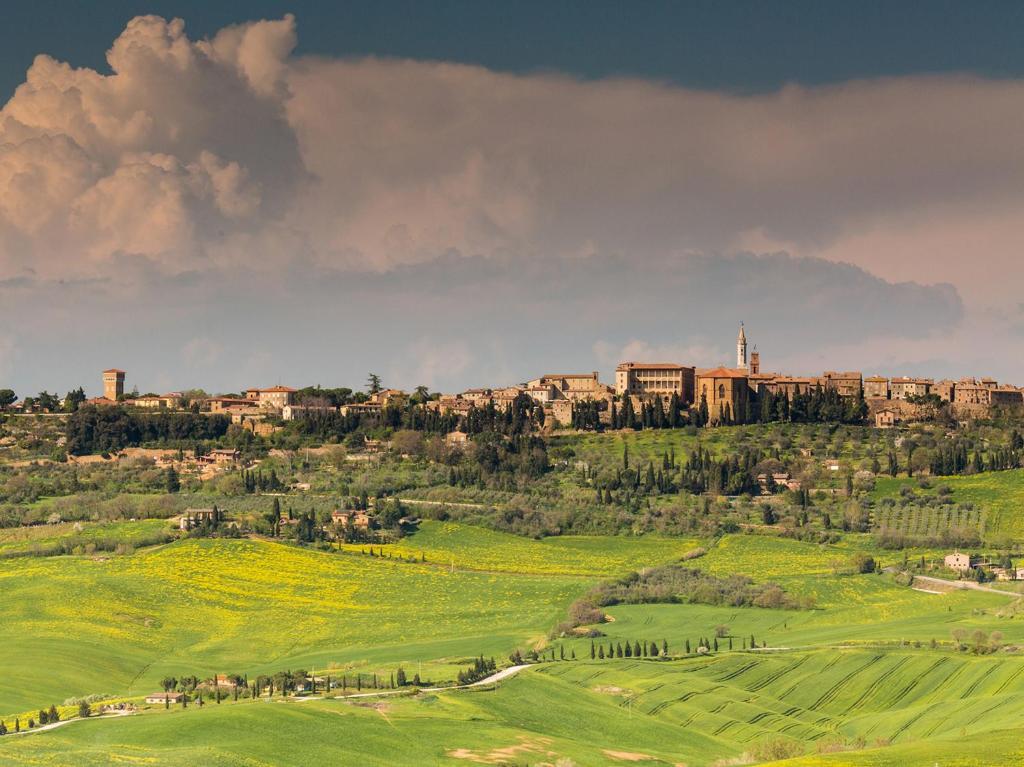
462	193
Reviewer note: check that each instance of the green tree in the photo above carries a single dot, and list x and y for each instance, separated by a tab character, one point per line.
172	480
84	709
373	383
7	398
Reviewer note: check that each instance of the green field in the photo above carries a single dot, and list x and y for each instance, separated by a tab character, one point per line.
119	624
41	539
476	548
1000	494
695	712
857	669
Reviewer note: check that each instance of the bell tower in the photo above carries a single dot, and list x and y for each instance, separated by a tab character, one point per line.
113	384
741	349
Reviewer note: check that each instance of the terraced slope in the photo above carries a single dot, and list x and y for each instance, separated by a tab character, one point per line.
744	698
932	706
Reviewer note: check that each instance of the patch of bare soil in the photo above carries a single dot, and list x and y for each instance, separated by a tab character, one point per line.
504	754
610	689
628	756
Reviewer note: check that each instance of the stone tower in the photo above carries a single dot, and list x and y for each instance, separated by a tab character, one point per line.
113	383
755	361
741	349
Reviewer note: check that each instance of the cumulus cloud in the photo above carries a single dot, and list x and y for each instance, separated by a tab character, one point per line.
230	149
228	181
182	146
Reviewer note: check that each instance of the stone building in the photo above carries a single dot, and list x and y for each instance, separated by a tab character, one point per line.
886	418
945	389
903	387
959	561
876	387
726	392
575	387
971	391
274	398
113	384
655	378
1006	396
848	384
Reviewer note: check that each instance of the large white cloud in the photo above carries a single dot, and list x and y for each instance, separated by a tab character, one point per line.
202	150
182	145
194	163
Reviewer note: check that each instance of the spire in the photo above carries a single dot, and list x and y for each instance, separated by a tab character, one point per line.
741	349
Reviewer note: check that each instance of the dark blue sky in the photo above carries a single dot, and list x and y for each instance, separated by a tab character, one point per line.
740	46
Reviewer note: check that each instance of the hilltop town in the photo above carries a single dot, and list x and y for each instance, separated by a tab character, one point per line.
643	394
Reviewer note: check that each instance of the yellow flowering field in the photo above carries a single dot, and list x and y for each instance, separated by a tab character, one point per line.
476	548
80	625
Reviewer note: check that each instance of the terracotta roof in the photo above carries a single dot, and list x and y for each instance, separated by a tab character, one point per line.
113	370
721	373
276	390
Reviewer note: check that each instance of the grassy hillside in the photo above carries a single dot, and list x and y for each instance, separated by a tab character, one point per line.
1000	494
42	539
119	624
476	548
697	712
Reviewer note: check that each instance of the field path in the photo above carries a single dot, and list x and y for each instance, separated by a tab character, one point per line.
494	678
963	585
62	722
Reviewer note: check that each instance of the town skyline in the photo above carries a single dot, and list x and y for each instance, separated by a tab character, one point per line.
305	247
675	384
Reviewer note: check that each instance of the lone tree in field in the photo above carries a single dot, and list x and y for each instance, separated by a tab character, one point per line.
172	481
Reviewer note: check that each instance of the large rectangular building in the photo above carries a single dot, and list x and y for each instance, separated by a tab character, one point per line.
655	378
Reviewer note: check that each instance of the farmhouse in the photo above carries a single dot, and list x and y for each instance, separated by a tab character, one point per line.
960	562
350	518
886	418
192	518
164	697
220	456
456	439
